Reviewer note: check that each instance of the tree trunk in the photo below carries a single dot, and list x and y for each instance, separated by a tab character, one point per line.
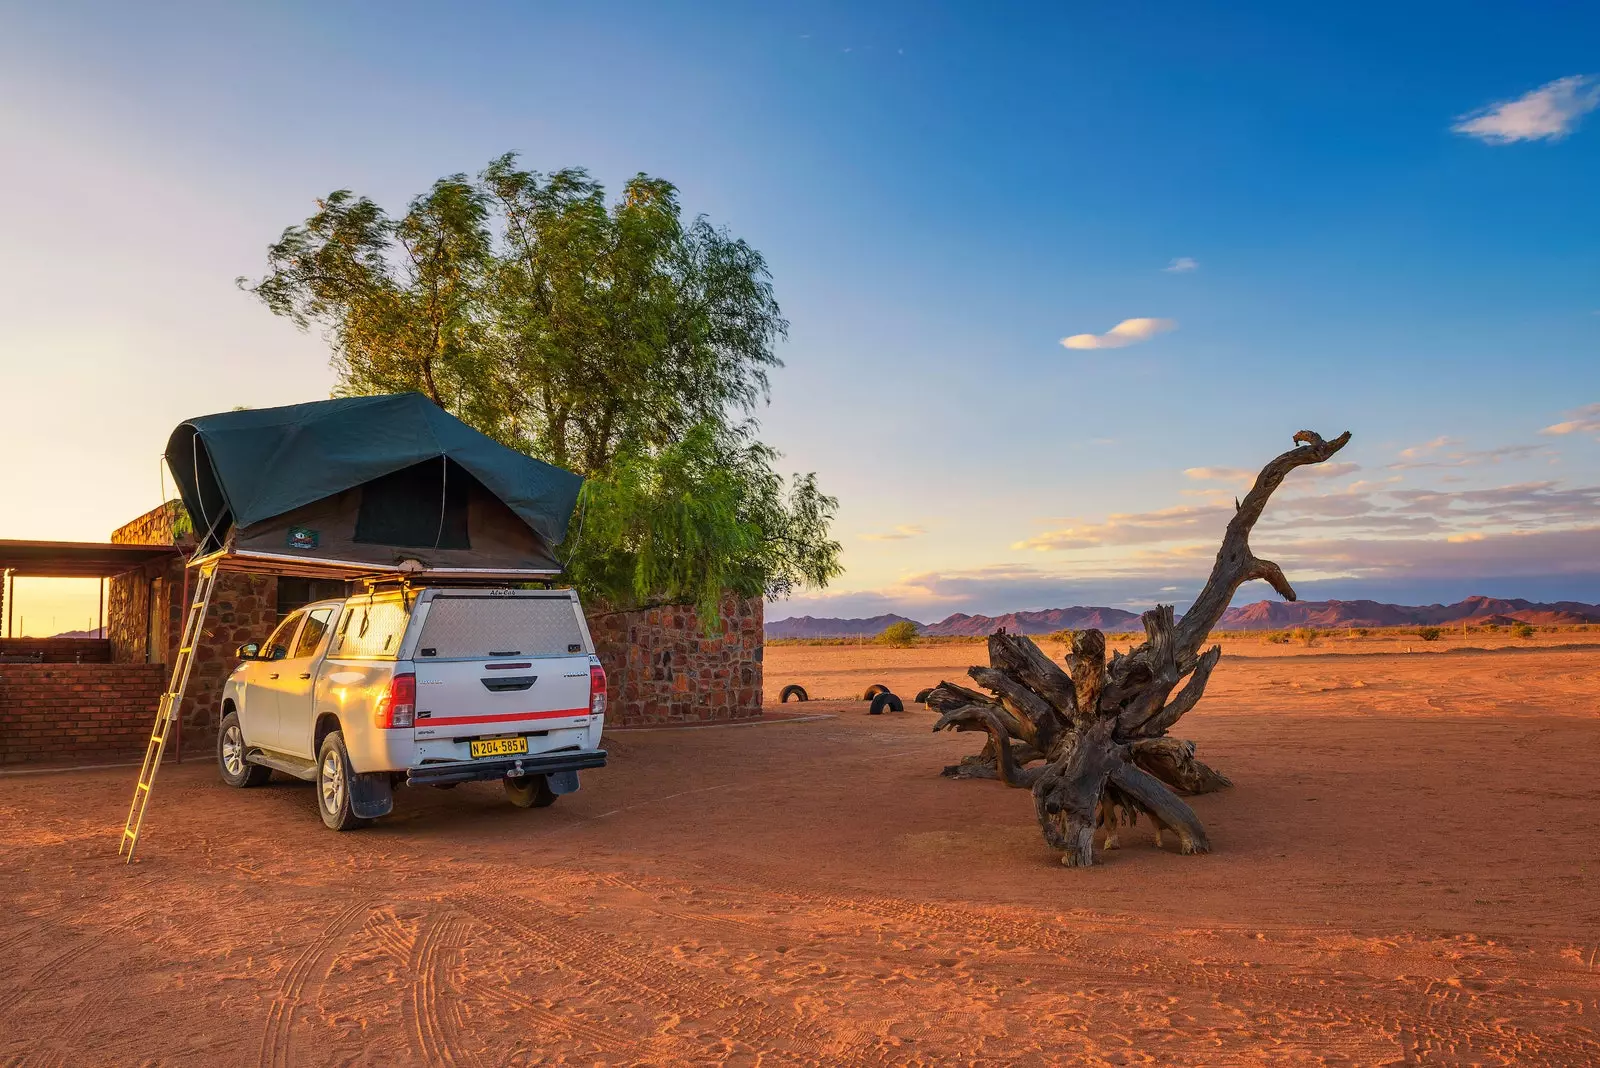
1095	732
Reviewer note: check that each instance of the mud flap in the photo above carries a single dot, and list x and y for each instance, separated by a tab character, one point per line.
371	795
562	782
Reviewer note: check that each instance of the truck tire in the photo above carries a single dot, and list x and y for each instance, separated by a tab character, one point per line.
874	690
530	791
922	696
333	785
236	772
885	700
797	692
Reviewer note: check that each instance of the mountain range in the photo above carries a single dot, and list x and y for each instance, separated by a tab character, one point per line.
1262	615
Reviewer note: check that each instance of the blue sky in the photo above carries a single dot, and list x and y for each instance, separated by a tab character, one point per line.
1387	213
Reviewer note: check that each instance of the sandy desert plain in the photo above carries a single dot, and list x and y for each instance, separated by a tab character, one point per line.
1406	871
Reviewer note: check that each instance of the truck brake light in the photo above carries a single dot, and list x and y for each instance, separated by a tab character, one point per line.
398	706
597	690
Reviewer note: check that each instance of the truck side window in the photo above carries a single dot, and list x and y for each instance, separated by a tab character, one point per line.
312	633
281	637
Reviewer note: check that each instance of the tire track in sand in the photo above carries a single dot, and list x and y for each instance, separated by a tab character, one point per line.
275	1036
437	1035
83	947
682	993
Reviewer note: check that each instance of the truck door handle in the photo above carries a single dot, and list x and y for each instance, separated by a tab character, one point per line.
305	674
514	682
273	675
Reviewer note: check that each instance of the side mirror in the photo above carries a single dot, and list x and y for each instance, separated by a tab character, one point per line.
249	651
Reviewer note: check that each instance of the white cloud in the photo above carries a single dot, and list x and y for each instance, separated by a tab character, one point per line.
1585	420
1127	332
899	533
1182	265
1547	113
1220	474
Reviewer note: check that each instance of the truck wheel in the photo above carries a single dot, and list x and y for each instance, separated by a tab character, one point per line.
230	756
530	791
922	696
874	690
333	785
797	692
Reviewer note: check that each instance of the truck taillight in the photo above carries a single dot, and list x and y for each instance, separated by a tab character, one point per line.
597	690
398	706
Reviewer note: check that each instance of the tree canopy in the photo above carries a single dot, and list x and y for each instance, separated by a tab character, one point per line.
614	339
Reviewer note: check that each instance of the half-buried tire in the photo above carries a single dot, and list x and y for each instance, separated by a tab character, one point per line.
922	695
885	700
797	692
874	690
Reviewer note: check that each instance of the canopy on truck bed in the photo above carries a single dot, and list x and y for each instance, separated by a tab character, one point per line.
367	485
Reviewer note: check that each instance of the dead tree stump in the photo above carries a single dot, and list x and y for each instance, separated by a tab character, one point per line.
1096	731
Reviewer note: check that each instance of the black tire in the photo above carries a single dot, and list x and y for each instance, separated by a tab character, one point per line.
333	785
230	756
531	791
922	695
874	690
885	700
797	692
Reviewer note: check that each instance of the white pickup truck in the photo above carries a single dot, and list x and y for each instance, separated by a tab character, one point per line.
429	687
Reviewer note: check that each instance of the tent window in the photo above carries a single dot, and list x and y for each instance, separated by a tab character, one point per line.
402	508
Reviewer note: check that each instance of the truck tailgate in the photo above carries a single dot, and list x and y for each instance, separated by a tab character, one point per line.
467	698
491	663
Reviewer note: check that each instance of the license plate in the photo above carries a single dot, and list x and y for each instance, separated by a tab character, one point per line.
499	747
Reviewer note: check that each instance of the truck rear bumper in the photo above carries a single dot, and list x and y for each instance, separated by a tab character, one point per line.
507	767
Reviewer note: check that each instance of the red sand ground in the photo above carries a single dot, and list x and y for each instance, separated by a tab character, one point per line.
1407	871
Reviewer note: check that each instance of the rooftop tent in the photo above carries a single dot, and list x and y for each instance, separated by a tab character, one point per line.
367	485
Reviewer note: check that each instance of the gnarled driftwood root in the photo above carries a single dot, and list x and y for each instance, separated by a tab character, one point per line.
1090	740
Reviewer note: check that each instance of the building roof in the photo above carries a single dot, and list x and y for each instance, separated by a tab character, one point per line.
77	559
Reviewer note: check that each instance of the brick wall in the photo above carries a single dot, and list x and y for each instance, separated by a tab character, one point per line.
77	712
660	668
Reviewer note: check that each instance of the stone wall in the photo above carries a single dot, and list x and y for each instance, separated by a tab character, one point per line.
145	618
77	712
660	667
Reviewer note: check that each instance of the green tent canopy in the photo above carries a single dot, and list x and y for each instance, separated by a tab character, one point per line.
367	484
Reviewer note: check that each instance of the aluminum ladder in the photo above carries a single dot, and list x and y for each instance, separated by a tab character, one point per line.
167	712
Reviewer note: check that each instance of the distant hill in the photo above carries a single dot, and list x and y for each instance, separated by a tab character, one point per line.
812	627
1262	615
1045	622
1272	615
81	634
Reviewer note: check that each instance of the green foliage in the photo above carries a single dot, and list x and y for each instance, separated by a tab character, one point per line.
900	634
1522	630
697	517
614	339
1429	634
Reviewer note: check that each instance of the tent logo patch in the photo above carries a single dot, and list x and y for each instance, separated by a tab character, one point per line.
302	538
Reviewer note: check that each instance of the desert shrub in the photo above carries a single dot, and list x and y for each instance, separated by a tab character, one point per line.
1304	635
1276	637
1522	630
1360	632
1490	628
1062	636
1429	634
899	634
